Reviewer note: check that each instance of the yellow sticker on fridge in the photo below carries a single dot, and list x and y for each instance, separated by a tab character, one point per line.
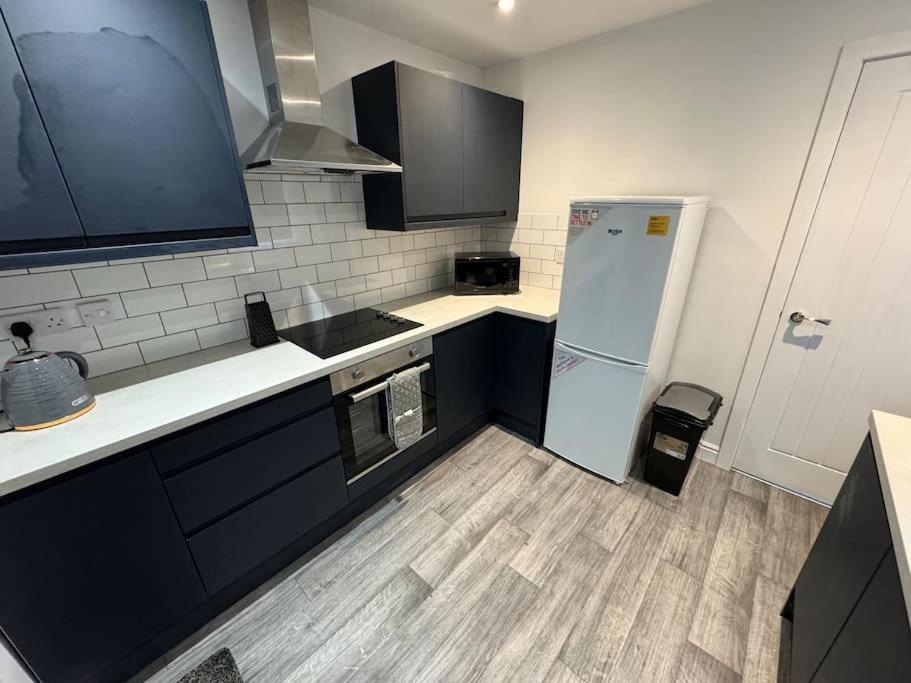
658	225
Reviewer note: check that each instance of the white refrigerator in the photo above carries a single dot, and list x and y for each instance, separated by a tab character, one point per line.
626	271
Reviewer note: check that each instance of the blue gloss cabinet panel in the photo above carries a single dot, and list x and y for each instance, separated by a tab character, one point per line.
34	202
131	98
93	566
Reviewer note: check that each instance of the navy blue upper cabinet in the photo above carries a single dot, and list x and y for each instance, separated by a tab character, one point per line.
131	98
34	203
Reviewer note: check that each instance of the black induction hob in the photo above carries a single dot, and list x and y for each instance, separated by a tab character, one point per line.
332	336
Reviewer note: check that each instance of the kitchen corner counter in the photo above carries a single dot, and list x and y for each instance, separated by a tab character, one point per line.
891	435
143	411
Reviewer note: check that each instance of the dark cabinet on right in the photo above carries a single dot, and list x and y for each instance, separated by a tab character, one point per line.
459	147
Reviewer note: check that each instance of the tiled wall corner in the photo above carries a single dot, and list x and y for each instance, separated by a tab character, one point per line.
540	239
315	258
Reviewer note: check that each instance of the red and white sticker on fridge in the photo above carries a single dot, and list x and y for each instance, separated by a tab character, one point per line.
580	220
565	361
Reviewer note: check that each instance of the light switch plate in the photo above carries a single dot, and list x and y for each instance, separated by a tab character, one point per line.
98	312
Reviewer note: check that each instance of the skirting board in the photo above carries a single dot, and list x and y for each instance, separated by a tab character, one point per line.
707	452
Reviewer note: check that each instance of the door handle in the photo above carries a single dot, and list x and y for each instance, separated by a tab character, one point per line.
798	317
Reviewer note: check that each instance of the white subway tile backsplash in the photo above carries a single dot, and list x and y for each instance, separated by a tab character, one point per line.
538	239
175	272
333	271
168	347
542	251
346	250
110	279
290	236
321	192
342	212
130	330
530	236
315	257
24	290
267	215
364	266
318	253
273	259
540	280
79	339
182	319
113	360
223	333
284	192
330	232
306	214
257	282
544	221
295	277
225	265
152	300
209	291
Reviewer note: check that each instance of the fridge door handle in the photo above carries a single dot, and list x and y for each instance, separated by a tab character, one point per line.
584	353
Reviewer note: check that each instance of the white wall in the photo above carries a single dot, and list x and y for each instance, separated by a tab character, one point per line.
721	99
343	49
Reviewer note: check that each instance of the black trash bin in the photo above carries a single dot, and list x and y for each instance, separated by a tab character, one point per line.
679	417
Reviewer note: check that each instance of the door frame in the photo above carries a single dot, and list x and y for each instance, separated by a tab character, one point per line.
825	141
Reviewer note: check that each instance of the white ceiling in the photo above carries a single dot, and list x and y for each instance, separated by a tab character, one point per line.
476	32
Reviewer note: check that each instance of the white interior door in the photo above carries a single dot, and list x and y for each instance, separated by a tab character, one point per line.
820	382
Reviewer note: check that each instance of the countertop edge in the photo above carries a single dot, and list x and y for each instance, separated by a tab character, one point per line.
880	434
44	472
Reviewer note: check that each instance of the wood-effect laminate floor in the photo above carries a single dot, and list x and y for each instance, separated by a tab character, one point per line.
504	562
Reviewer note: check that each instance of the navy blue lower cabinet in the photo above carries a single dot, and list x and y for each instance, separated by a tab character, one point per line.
849	621
464	364
92	566
524	349
232	546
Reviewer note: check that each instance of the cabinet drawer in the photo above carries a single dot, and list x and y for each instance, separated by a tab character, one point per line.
216	486
233	546
223	432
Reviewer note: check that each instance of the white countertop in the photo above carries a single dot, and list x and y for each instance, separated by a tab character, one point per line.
139	413
891	436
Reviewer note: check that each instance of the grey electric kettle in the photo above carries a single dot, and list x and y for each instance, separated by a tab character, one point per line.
41	389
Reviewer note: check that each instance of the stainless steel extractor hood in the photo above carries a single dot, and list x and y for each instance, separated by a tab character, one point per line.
296	141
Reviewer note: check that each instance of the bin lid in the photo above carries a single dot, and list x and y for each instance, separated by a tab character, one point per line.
689	401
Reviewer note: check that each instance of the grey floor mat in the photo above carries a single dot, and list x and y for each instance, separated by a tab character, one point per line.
219	668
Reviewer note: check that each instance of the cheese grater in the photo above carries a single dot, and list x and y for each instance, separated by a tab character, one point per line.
259	320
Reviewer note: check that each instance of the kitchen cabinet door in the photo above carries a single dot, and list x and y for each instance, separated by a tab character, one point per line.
523	349
850	546
875	643
492	148
464	364
131	98
35	207
430	110
93	566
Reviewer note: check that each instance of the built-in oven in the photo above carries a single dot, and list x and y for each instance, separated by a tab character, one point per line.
359	398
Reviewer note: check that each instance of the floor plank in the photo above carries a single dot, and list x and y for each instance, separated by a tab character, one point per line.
596	641
722	620
765	632
549	541
408	652
560	673
698	666
532	510
655	645
531	648
787	536
612	516
749	486
338	657
435	563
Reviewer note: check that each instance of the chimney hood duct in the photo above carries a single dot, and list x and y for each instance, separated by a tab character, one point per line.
296	141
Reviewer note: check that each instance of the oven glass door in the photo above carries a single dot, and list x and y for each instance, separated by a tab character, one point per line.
482	274
364	428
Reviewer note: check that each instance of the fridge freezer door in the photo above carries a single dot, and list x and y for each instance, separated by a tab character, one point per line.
614	277
592	411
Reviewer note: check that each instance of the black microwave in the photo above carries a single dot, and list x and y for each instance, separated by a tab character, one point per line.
486	272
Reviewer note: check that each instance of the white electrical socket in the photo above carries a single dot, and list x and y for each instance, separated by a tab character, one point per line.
559	254
44	322
96	312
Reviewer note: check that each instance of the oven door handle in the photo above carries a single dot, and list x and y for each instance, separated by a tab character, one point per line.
377	388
